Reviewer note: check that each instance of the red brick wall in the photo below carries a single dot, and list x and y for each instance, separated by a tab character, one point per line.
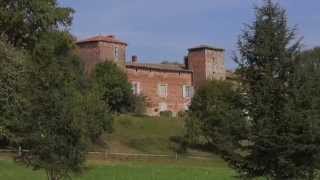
149	82
197	63
92	53
206	64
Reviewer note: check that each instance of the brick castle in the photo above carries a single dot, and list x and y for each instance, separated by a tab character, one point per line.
167	87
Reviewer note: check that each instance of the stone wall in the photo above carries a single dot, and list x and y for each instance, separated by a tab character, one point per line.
215	65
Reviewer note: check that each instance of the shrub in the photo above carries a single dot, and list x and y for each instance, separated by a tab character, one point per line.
138	105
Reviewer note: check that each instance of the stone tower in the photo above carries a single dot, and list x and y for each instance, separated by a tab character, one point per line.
99	49
207	63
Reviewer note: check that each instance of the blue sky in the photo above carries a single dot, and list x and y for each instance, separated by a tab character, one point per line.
158	30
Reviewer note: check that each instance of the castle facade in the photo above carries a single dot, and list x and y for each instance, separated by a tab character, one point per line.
167	87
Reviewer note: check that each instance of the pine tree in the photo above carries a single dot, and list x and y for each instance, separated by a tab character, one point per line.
280	138
304	111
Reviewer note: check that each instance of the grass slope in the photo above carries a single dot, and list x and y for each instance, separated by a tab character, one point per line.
144	134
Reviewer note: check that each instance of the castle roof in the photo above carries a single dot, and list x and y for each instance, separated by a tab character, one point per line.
205	47
160	67
109	39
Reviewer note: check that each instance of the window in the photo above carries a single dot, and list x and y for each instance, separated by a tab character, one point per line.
136	88
187	91
116	53
163	90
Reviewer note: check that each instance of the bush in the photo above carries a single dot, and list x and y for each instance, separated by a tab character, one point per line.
138	105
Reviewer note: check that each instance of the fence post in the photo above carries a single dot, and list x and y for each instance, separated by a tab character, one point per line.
20	151
105	154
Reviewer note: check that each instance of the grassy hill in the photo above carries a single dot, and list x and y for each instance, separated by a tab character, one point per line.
141	134
137	135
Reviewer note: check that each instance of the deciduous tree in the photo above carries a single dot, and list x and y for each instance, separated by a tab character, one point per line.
216	118
113	84
49	119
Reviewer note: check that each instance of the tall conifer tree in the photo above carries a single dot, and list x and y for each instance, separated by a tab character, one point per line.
280	139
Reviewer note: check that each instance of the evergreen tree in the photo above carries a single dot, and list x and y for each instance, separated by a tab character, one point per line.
304	111
283	142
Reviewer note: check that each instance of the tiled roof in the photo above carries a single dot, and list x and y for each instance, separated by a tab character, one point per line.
205	47
161	67
109	39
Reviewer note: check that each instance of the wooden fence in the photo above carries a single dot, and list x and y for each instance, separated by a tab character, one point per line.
115	155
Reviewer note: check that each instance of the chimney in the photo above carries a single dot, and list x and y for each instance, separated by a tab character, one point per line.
111	36
134	59
186	63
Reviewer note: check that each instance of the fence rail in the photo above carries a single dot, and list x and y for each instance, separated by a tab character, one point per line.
108	154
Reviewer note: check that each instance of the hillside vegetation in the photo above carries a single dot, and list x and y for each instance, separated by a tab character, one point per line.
142	134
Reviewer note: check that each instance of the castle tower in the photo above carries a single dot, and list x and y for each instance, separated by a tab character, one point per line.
99	49
207	63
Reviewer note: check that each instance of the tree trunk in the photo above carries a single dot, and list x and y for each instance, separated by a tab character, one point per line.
52	175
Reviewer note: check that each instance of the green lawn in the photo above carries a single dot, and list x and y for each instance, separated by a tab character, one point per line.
125	171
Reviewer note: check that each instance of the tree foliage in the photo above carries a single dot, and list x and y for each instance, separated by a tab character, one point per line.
114	87
11	71
48	126
216	117
94	112
23	22
46	106
305	113
282	101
